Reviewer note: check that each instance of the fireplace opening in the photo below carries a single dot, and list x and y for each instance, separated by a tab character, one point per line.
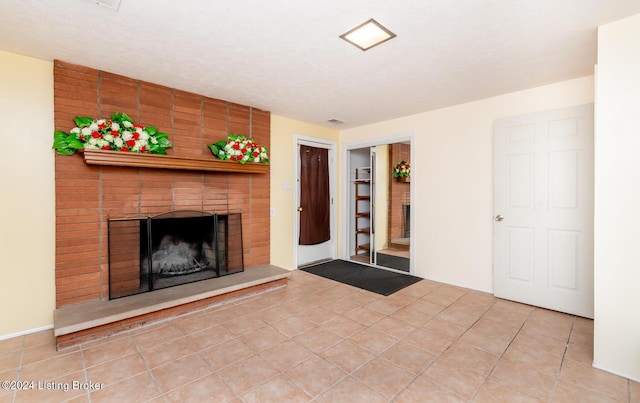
170	249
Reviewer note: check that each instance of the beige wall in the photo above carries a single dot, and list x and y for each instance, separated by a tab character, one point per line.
27	201
282	154
617	199
452	177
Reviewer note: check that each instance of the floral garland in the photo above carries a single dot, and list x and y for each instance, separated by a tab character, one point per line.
402	169
241	149
118	134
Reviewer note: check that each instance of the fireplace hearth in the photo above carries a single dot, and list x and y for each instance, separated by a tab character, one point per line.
174	248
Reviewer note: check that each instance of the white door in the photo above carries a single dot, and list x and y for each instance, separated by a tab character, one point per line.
543	209
307	254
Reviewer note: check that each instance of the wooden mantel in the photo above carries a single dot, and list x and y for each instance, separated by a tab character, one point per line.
137	160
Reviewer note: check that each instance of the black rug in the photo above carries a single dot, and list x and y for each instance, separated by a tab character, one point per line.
368	278
394	262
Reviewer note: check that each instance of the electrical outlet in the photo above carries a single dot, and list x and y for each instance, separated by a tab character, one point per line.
272	212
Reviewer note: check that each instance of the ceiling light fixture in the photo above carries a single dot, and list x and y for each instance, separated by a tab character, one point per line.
367	35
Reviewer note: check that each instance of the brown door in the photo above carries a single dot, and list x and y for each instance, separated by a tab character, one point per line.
315	202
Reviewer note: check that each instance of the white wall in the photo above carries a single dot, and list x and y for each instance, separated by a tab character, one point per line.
27	195
452	177
617	199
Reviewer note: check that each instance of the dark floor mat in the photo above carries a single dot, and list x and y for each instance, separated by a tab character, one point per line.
394	262
368	278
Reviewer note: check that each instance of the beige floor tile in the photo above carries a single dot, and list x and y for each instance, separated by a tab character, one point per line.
534	359
209	337
421	390
411	316
315	375
515	376
598	381
247	374
343	306
430	340
439	299
100	353
227	353
278	389
471	358
460	315
584	339
193	323
578	353
352	391
137	388
36	339
117	370
364	316
12	360
319	315
53	367
54	389
41	352
492	345
244	324
154	335
408	356
455	378
318	339
384	377
568	393
347	356
343	327
583	325
204	389
493	392
549	323
508	314
489	328
383	306
394	327
180	372
286	355
634	389
537	342
161	354
263	338
274	314
293	326
445	327
426	307
373	340
11	345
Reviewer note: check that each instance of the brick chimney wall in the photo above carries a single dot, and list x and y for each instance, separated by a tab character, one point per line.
86	195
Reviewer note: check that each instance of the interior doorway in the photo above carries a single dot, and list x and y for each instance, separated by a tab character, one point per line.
315	210
379	220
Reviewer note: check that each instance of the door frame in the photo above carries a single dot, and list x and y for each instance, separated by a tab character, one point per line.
346	186
299	140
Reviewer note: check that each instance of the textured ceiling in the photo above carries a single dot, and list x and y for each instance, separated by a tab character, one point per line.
286	56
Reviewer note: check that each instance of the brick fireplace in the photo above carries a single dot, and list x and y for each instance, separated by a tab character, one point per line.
87	195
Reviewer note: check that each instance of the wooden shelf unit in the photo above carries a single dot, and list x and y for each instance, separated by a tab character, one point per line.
362	212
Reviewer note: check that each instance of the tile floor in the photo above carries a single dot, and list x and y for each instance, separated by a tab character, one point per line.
318	340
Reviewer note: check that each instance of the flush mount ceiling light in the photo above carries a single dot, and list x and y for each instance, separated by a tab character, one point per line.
367	35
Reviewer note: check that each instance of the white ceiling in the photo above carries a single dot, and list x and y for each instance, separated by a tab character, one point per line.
285	56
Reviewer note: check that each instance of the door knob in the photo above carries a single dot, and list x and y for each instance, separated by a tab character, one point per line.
299	208
499	217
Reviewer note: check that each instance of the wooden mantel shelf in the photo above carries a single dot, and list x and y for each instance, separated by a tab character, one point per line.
136	160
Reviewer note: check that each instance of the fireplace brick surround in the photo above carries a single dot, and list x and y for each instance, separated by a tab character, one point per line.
87	195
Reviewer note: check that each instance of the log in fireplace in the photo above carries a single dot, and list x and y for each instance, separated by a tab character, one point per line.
170	249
